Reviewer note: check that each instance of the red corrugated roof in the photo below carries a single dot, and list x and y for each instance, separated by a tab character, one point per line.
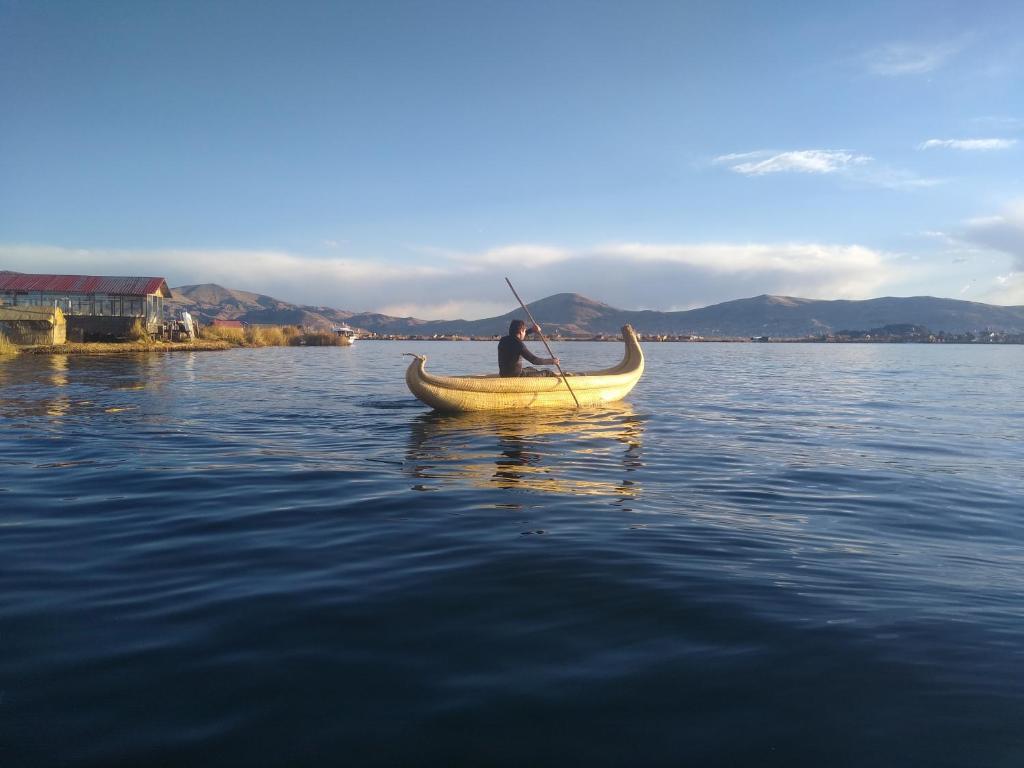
121	286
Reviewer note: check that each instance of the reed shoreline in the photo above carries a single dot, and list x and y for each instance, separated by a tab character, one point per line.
211	339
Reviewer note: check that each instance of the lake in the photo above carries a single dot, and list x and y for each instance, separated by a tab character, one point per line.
769	554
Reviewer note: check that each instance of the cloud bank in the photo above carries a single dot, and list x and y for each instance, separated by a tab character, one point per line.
662	276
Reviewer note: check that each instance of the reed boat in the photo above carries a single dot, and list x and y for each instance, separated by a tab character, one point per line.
493	392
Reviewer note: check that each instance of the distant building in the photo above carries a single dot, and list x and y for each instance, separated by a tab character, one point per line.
96	307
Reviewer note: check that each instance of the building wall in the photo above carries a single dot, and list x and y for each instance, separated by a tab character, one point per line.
99	305
25	332
91	328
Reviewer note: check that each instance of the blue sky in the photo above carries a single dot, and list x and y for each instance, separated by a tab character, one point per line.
404	156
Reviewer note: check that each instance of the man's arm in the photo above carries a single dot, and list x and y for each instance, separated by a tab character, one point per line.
533	358
538	360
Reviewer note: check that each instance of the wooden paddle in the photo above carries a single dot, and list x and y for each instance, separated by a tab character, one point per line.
546	345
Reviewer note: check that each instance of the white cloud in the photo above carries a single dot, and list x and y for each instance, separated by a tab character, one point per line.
514	257
1006	289
901	58
470	285
797	161
937	235
726	258
982	145
448	310
994	238
846	163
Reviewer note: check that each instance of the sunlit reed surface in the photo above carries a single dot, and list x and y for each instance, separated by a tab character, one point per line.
768	555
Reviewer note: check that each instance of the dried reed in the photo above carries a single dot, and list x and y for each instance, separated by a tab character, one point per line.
7	347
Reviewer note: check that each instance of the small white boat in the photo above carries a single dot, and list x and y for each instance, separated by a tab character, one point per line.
345	334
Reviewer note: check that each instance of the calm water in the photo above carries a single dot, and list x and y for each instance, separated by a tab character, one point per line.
770	555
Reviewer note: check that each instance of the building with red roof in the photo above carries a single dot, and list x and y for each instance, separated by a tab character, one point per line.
96	307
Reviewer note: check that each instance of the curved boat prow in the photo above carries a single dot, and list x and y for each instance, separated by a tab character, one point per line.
484	393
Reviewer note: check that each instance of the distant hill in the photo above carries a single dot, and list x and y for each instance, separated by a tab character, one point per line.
786	316
209	301
566	313
570	314
775	316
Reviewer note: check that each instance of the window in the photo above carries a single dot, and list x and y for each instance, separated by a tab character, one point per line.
80	304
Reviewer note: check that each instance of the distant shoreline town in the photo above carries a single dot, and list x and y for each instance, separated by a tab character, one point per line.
874	336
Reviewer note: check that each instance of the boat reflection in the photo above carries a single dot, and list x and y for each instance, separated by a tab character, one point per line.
588	453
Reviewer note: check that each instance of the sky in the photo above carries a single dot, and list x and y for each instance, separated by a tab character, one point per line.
404	157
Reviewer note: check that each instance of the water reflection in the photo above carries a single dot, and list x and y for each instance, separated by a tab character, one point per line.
590	453
59	403
59	386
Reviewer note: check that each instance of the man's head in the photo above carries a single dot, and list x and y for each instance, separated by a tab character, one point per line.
517	328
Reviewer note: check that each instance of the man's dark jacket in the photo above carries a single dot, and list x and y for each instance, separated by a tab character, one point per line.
510	349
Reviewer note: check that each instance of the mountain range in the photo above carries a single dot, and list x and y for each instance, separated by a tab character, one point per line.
570	314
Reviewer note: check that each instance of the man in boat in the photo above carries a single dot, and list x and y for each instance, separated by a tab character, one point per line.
511	348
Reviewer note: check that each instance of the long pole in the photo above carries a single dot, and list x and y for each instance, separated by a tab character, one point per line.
546	345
